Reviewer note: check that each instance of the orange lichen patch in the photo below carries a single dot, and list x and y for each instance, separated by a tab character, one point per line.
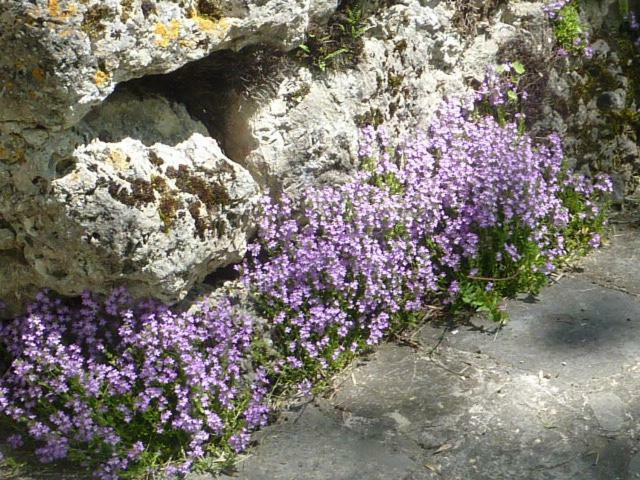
38	74
67	32
167	32
54	8
4	154
118	159
218	28
70	11
101	78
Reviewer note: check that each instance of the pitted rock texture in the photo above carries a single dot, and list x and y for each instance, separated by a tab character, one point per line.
157	219
413	56
66	56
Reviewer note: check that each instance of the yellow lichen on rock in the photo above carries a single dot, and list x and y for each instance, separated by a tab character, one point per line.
218	28
118	159
101	78
38	74
167	32
53	7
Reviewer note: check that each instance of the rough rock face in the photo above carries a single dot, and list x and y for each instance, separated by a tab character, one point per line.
145	215
412	57
67	56
135	136
94	208
592	101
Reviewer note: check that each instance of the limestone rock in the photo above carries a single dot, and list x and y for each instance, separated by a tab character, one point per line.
62	57
154	218
307	132
136	136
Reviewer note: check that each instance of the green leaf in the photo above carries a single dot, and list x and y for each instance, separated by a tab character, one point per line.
513	96
518	68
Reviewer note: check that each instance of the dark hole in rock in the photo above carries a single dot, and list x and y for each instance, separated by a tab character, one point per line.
222	275
65	166
209	88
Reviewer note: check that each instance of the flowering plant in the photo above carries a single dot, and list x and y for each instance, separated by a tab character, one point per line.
129	387
466	213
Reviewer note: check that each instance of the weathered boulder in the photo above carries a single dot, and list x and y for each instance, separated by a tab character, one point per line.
91	207
62	57
136	135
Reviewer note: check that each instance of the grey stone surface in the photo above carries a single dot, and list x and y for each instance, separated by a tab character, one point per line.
608	409
614	265
552	396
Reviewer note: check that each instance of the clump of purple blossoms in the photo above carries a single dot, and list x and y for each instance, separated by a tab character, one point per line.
124	386
553	8
634	26
337	269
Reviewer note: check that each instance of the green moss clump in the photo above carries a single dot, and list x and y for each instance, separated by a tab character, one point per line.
395	81
210	9
201	224
140	195
373	117
210	194
170	203
568	28
339	44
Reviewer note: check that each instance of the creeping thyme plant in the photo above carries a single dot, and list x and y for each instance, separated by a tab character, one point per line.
125	388
466	213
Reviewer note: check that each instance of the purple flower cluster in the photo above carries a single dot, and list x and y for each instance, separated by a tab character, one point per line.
332	269
553	8
345	263
634	26
121	383
467	212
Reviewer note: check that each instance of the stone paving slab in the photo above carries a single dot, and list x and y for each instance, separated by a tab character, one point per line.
616	265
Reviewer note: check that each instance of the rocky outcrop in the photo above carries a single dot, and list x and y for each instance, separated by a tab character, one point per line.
136	136
63	57
591	100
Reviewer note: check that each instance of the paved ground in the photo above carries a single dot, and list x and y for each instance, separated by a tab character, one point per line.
554	395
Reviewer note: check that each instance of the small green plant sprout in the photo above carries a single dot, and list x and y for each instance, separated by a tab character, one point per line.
318	51
570	33
501	94
623	7
353	25
339	43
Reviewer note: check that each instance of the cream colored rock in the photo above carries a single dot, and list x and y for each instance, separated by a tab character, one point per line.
62	57
157	219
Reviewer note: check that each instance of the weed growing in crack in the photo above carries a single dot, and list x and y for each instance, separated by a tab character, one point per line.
570	33
339	44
